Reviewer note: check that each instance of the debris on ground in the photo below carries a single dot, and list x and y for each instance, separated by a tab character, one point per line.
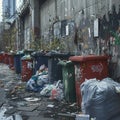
26	104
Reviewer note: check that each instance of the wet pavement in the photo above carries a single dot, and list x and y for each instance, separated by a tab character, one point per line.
18	104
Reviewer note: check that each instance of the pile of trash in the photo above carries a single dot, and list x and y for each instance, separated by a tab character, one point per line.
40	83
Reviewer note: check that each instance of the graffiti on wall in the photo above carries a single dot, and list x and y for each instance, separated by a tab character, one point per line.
97	68
78	72
85	36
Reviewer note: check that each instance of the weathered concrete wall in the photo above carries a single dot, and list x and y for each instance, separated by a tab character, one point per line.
35	20
27	31
47	16
69	9
77	11
83	13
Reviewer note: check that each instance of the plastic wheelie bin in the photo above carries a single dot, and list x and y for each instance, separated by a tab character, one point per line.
55	70
11	61
88	67
6	58
39	58
68	80
17	62
26	68
1	57
28	51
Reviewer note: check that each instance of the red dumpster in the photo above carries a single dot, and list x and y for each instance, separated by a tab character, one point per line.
1	57
5	58
26	69
88	67
11	61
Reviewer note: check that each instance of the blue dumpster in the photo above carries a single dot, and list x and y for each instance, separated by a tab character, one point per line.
17	62
39	58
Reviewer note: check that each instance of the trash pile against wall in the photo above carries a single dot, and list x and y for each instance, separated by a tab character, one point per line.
101	99
54	91
39	83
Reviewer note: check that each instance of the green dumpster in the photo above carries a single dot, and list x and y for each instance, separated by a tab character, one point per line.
68	74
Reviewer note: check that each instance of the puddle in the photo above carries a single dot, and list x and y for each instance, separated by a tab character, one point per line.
12	117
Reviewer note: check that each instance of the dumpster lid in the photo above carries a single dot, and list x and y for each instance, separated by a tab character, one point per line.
65	63
28	51
87	58
57	54
38	53
18	53
26	57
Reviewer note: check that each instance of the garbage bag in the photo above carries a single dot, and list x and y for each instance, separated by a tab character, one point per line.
36	82
31	85
101	99
57	94
57	91
46	91
42	79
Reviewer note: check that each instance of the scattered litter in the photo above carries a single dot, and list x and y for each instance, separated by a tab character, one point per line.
82	117
72	105
31	99
50	106
6	90
14	98
57	91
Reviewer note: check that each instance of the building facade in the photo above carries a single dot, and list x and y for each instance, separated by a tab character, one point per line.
84	27
27	23
8	16
80	27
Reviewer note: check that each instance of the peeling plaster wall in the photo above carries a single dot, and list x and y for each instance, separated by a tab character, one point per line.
47	16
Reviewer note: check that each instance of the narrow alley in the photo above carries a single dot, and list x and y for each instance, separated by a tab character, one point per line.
18	104
60	59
